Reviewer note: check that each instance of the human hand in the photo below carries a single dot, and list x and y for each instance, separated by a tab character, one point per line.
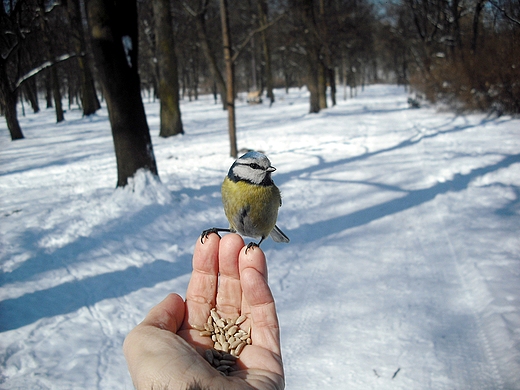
165	351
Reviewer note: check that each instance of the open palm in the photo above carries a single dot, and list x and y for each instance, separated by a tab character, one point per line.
165	351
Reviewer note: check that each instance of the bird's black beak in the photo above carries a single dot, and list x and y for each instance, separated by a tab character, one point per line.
271	169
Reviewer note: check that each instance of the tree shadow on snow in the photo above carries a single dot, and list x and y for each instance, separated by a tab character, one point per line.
413	198
70	253
415	139
71	296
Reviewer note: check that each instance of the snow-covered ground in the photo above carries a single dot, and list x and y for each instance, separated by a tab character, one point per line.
403	270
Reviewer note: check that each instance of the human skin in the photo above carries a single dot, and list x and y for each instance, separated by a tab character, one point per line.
165	352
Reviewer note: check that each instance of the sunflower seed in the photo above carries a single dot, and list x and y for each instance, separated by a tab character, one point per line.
223	368
209	356
225	347
214	315
239	348
228	356
229	340
231	331
227	362
240	319
217	354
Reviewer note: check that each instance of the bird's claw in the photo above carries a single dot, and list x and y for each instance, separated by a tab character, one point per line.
251	245
207	232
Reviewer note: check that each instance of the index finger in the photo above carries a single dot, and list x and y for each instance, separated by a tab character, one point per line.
202	288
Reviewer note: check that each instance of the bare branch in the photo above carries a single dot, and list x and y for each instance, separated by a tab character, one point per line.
504	12
189	10
252	34
45	65
192	12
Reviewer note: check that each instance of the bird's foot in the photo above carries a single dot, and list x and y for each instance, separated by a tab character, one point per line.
207	232
252	245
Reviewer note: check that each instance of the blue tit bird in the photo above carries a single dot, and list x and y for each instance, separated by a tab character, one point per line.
251	200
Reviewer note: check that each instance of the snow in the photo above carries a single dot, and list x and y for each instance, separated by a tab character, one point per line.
402	271
128	47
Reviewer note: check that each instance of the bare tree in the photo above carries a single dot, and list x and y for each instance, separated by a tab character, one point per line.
8	98
171	123
113	29
50	52
10	41
199	16
262	13
304	9
327	55
230	78
89	99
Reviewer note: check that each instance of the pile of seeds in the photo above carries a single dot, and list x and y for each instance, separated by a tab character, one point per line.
228	340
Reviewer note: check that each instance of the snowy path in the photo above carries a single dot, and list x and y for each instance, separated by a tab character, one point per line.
403	270
403	295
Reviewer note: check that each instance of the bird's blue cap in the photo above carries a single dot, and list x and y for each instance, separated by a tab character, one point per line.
253	154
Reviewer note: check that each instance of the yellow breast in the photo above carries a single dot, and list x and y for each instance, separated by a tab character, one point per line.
250	209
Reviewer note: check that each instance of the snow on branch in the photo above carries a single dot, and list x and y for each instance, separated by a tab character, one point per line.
45	65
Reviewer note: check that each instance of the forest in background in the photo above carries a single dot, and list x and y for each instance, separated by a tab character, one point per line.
446	49
464	53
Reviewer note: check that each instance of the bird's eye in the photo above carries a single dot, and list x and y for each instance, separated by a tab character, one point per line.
255	166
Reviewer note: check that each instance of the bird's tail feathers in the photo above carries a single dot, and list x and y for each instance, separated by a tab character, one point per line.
278	236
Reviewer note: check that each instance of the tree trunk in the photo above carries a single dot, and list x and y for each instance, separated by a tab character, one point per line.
113	27
322	85
11	117
71	84
230	84
8	101
53	72
56	94
48	89
89	99
332	83
262	11
329	68
171	123
31	92
254	79
210	58
476	21
313	85
344	74
315	72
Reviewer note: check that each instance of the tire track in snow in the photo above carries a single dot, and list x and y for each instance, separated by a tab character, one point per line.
473	290
471	281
